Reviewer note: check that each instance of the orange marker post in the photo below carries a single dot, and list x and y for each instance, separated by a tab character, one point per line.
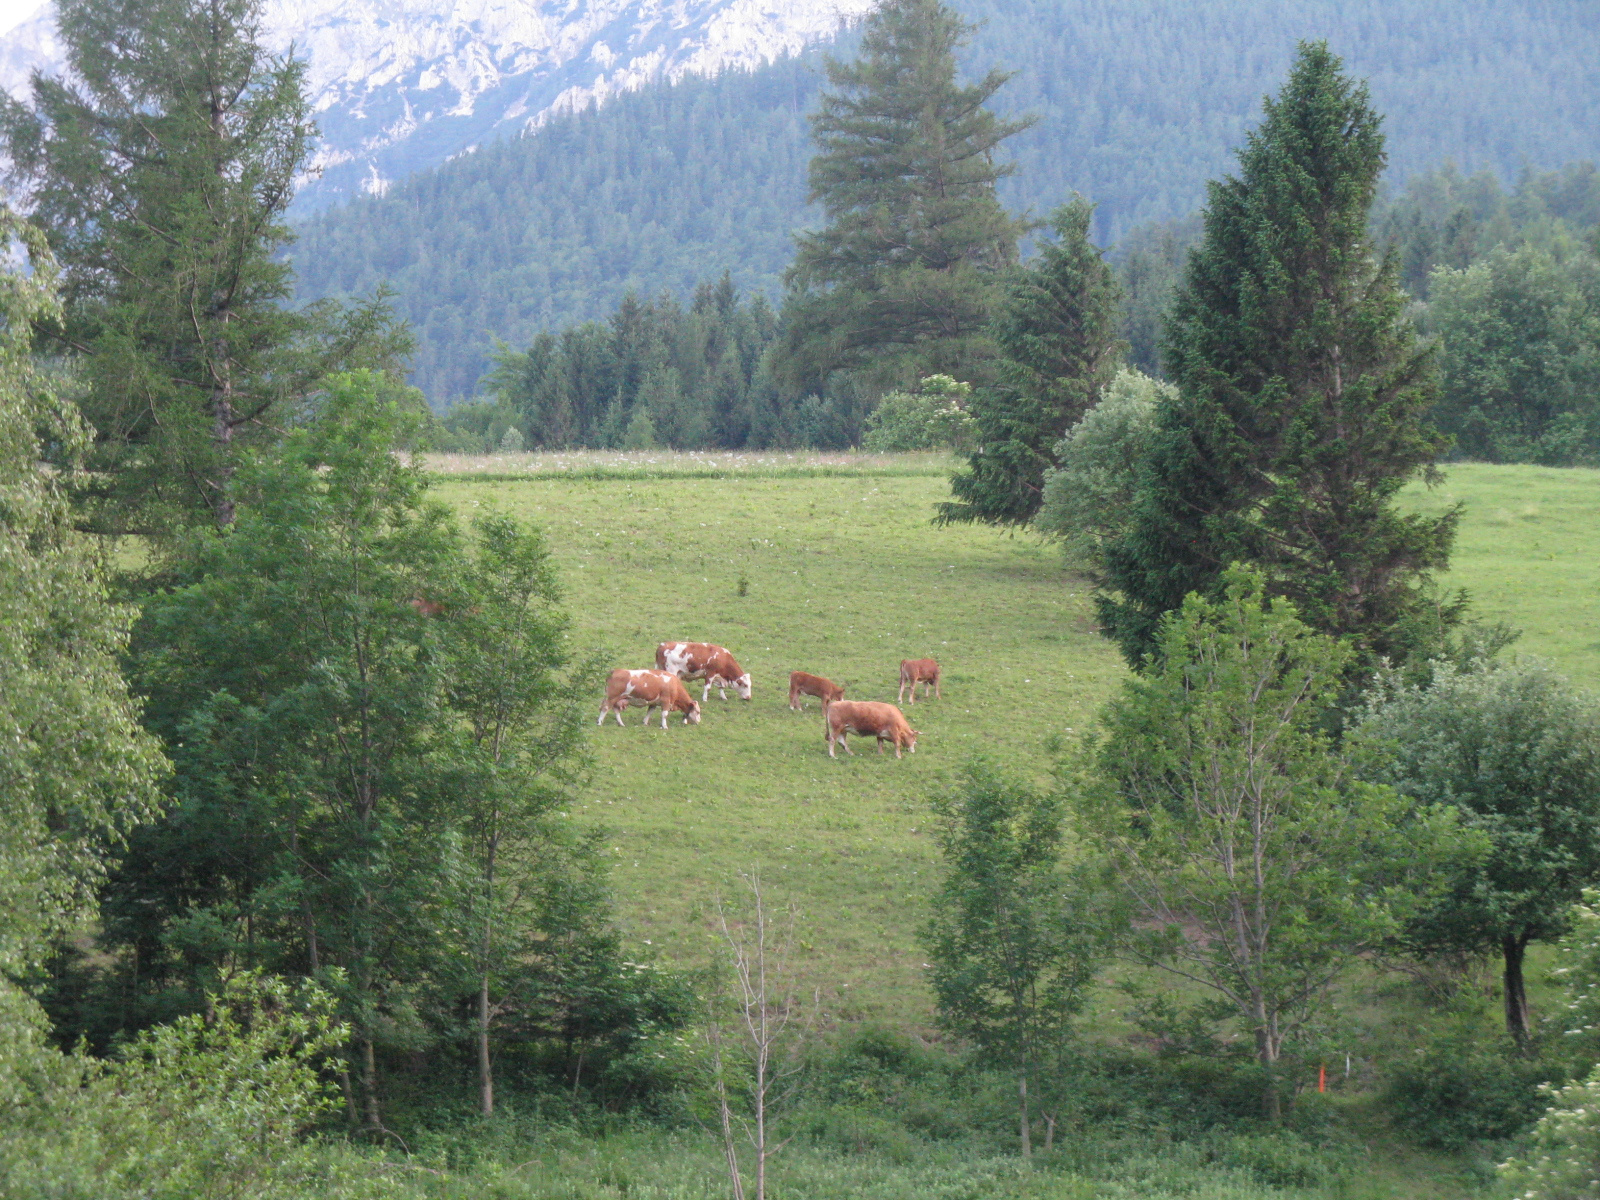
1322	1077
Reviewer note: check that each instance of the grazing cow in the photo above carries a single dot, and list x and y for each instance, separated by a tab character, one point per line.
801	684
653	689
870	719
918	670
702	660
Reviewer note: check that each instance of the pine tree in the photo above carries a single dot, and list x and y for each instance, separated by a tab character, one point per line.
161	174
1059	349
903	279
1303	394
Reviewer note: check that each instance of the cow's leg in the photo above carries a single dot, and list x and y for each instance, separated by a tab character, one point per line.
604	709
937	694
705	694
897	747
900	696
618	713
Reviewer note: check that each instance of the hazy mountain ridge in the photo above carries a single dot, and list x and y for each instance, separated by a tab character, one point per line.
1139	104
402	85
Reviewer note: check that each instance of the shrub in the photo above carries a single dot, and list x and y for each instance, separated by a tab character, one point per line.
1562	1161
1088	499
934	417
211	1105
1279	1160
511	440
1457	1091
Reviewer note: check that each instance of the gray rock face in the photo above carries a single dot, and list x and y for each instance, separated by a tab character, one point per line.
401	85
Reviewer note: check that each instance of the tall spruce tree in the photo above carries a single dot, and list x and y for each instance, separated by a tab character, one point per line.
903	279
1058	351
160	169
1302	394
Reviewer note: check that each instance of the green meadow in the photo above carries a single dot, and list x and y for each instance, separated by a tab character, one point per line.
829	564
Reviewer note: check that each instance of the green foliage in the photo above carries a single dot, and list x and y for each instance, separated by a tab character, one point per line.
213	1105
474	427
936	416
161	173
1455	1090
1088	500
901	281
1562	1158
1149	264
373	724
1445	219
661	188
1014	939
1256	861
655	374
1516	753
1578	971
1521	333
1058	351
1302	393
77	772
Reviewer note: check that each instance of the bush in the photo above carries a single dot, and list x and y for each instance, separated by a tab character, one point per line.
1088	499
1563	1157
934	417
1457	1091
1279	1160
209	1106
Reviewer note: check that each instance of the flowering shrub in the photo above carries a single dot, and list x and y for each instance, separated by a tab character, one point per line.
934	417
1563	1157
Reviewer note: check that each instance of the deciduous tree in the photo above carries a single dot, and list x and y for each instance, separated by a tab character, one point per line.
1014	936
1516	753
1259	863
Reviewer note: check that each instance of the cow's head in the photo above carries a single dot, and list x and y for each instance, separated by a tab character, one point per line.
913	742
742	686
692	717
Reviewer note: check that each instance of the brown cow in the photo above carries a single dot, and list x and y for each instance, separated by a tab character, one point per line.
801	684
653	689
870	719
918	670
702	660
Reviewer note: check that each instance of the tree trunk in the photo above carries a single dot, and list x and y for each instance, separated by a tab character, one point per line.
369	1084
485	1070
1267	1056
485	1065
1516	994
1022	1100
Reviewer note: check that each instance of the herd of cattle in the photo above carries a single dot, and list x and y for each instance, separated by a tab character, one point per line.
663	689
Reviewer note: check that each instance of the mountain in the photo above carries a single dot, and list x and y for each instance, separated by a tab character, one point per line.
1140	103
402	85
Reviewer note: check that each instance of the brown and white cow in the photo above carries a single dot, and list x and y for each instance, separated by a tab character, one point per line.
870	719
702	660
653	689
918	670
801	684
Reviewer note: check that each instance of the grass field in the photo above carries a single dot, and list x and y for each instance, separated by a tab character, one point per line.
844	576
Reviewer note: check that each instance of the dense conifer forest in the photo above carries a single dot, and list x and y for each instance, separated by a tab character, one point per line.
669	187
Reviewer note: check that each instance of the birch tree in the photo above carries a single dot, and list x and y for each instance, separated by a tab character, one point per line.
1257	865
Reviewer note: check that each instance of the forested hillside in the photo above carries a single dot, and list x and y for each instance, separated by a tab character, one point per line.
1139	106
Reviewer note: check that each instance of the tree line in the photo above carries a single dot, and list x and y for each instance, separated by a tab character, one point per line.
670	186
314	745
